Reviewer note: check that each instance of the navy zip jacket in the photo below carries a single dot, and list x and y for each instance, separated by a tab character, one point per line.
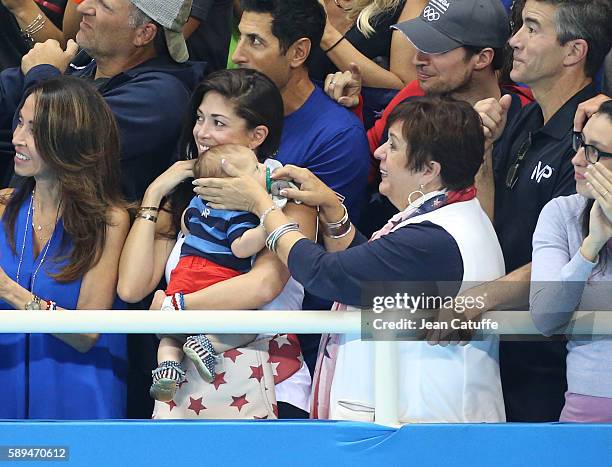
149	102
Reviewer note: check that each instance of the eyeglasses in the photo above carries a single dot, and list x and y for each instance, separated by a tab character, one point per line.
513	171
591	153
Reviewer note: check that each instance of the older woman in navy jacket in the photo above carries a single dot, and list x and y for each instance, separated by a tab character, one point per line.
428	165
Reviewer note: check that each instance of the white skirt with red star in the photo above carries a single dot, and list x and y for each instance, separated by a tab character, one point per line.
244	384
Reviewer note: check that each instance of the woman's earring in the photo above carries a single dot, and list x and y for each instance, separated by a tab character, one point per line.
419	194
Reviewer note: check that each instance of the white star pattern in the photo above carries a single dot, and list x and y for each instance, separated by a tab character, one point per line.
281	340
274	368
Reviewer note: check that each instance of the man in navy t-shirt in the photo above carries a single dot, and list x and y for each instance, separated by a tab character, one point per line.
276	39
319	134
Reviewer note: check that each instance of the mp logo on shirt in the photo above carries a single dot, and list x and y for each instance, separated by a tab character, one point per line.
540	172
206	212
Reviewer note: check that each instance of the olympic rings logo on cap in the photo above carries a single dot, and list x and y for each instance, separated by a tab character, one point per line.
430	14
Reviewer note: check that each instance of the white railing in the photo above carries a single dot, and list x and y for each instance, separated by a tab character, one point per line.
270	321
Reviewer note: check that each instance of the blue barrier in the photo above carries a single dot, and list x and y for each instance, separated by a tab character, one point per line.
312	443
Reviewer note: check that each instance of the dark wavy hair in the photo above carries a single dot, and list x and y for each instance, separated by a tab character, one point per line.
76	135
444	130
255	99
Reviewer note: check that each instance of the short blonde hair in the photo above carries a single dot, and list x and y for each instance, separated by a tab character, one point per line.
363	12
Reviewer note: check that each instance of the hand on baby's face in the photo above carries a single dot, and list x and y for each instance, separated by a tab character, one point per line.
210	163
260	174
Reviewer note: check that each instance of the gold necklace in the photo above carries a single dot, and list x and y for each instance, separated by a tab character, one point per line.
38	228
25	235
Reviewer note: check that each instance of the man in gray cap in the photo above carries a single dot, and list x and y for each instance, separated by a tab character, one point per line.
445	25
459	48
138	64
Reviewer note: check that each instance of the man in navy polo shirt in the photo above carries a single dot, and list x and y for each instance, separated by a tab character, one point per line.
557	51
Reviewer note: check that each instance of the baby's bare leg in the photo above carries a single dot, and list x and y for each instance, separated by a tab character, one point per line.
223	342
170	349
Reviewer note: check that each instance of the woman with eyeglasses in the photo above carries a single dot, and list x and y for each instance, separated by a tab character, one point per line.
571	270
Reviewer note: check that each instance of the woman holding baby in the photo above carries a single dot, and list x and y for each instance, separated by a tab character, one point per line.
239	107
428	166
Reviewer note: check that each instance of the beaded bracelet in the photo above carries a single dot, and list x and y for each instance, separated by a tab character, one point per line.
262	219
175	301
38	303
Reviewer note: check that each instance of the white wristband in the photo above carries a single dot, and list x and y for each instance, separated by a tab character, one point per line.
167	304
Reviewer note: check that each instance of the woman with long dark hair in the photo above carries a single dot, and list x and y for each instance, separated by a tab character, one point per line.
571	270
60	239
242	107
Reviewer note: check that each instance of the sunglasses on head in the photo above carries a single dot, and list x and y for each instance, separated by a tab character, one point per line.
513	170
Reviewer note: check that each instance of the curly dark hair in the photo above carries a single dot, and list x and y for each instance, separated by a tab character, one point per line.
255	98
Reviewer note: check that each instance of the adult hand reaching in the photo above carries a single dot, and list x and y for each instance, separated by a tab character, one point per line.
313	192
49	53
586	109
168	180
344	86
240	192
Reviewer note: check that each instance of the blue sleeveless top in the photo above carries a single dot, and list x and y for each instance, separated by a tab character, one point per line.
42	377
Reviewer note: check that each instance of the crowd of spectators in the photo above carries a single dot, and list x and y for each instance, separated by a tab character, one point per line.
357	142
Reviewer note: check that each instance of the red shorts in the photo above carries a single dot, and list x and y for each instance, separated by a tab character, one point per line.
193	273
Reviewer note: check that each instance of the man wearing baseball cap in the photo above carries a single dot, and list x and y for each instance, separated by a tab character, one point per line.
138	61
459	48
445	25
139	66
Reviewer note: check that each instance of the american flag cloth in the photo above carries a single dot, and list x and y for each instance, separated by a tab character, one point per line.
328	348
324	371
429	202
243	387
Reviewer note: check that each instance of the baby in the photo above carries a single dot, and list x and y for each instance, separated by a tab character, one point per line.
218	245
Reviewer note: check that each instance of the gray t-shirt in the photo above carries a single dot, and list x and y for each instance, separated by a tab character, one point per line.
563	281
